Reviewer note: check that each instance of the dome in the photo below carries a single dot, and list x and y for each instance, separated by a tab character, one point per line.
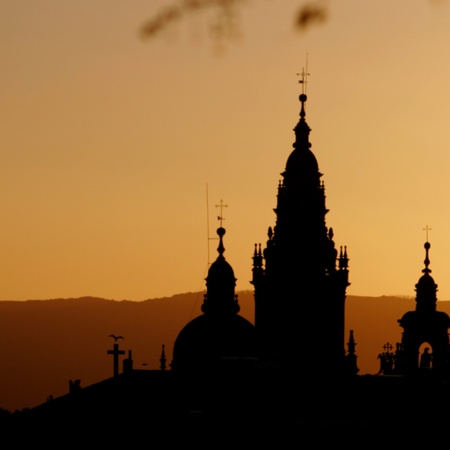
208	341
220	283
221	272
302	161
426	282
219	334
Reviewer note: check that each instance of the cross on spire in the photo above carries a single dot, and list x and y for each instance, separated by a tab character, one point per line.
304	76
221	205
426	229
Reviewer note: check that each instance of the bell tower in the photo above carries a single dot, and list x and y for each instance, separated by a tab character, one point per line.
425	325
300	278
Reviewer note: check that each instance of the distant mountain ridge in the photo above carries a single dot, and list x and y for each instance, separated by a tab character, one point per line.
46	343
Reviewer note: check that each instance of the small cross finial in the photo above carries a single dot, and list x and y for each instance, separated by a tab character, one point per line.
221	205
426	229
304	77
387	347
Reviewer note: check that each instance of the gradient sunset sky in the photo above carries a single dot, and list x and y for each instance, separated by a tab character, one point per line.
108	142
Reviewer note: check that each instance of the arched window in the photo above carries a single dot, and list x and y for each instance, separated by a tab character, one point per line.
425	356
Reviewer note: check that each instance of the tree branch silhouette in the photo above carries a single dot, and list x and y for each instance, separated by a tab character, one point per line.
224	25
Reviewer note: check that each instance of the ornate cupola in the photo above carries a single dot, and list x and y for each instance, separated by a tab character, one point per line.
426	288
299	278
425	327
219	336
302	160
220	295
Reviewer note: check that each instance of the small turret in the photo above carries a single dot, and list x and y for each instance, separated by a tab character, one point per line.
426	288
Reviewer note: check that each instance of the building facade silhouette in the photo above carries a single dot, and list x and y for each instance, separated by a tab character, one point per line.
229	376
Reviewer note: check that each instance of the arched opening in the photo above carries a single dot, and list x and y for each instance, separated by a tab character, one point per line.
425	356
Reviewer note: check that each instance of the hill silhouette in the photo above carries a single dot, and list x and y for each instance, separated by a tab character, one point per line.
46	343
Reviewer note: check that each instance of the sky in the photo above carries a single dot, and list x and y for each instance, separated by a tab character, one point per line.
115	150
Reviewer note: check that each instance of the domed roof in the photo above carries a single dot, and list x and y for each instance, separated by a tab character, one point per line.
220	284
302	159
221	271
208	340
220	333
426	282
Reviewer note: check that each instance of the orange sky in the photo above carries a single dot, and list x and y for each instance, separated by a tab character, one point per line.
108	142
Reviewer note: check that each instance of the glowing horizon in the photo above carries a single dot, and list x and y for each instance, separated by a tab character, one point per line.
109	143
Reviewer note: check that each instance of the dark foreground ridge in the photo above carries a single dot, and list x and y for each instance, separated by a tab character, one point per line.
254	406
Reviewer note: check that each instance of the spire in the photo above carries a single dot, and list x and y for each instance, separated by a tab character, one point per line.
343	259
257	257
301	164
426	288
427	246
427	259
221	231
350	357
302	129
303	99
351	344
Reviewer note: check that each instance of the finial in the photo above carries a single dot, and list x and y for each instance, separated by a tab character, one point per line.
427	246
351	344
302	99
163	359
304	80
351	338
426	229
221	248
387	347
330	233
221	205
343	258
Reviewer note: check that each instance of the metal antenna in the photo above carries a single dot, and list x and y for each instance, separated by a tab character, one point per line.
207	223
221	206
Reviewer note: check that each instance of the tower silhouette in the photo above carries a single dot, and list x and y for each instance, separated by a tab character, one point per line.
425	325
299	279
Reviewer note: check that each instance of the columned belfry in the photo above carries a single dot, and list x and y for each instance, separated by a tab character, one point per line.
300	278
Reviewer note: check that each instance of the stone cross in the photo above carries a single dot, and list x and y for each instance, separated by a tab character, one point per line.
116	353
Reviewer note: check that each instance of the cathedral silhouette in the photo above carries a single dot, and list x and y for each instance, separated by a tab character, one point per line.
299	279
292	374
